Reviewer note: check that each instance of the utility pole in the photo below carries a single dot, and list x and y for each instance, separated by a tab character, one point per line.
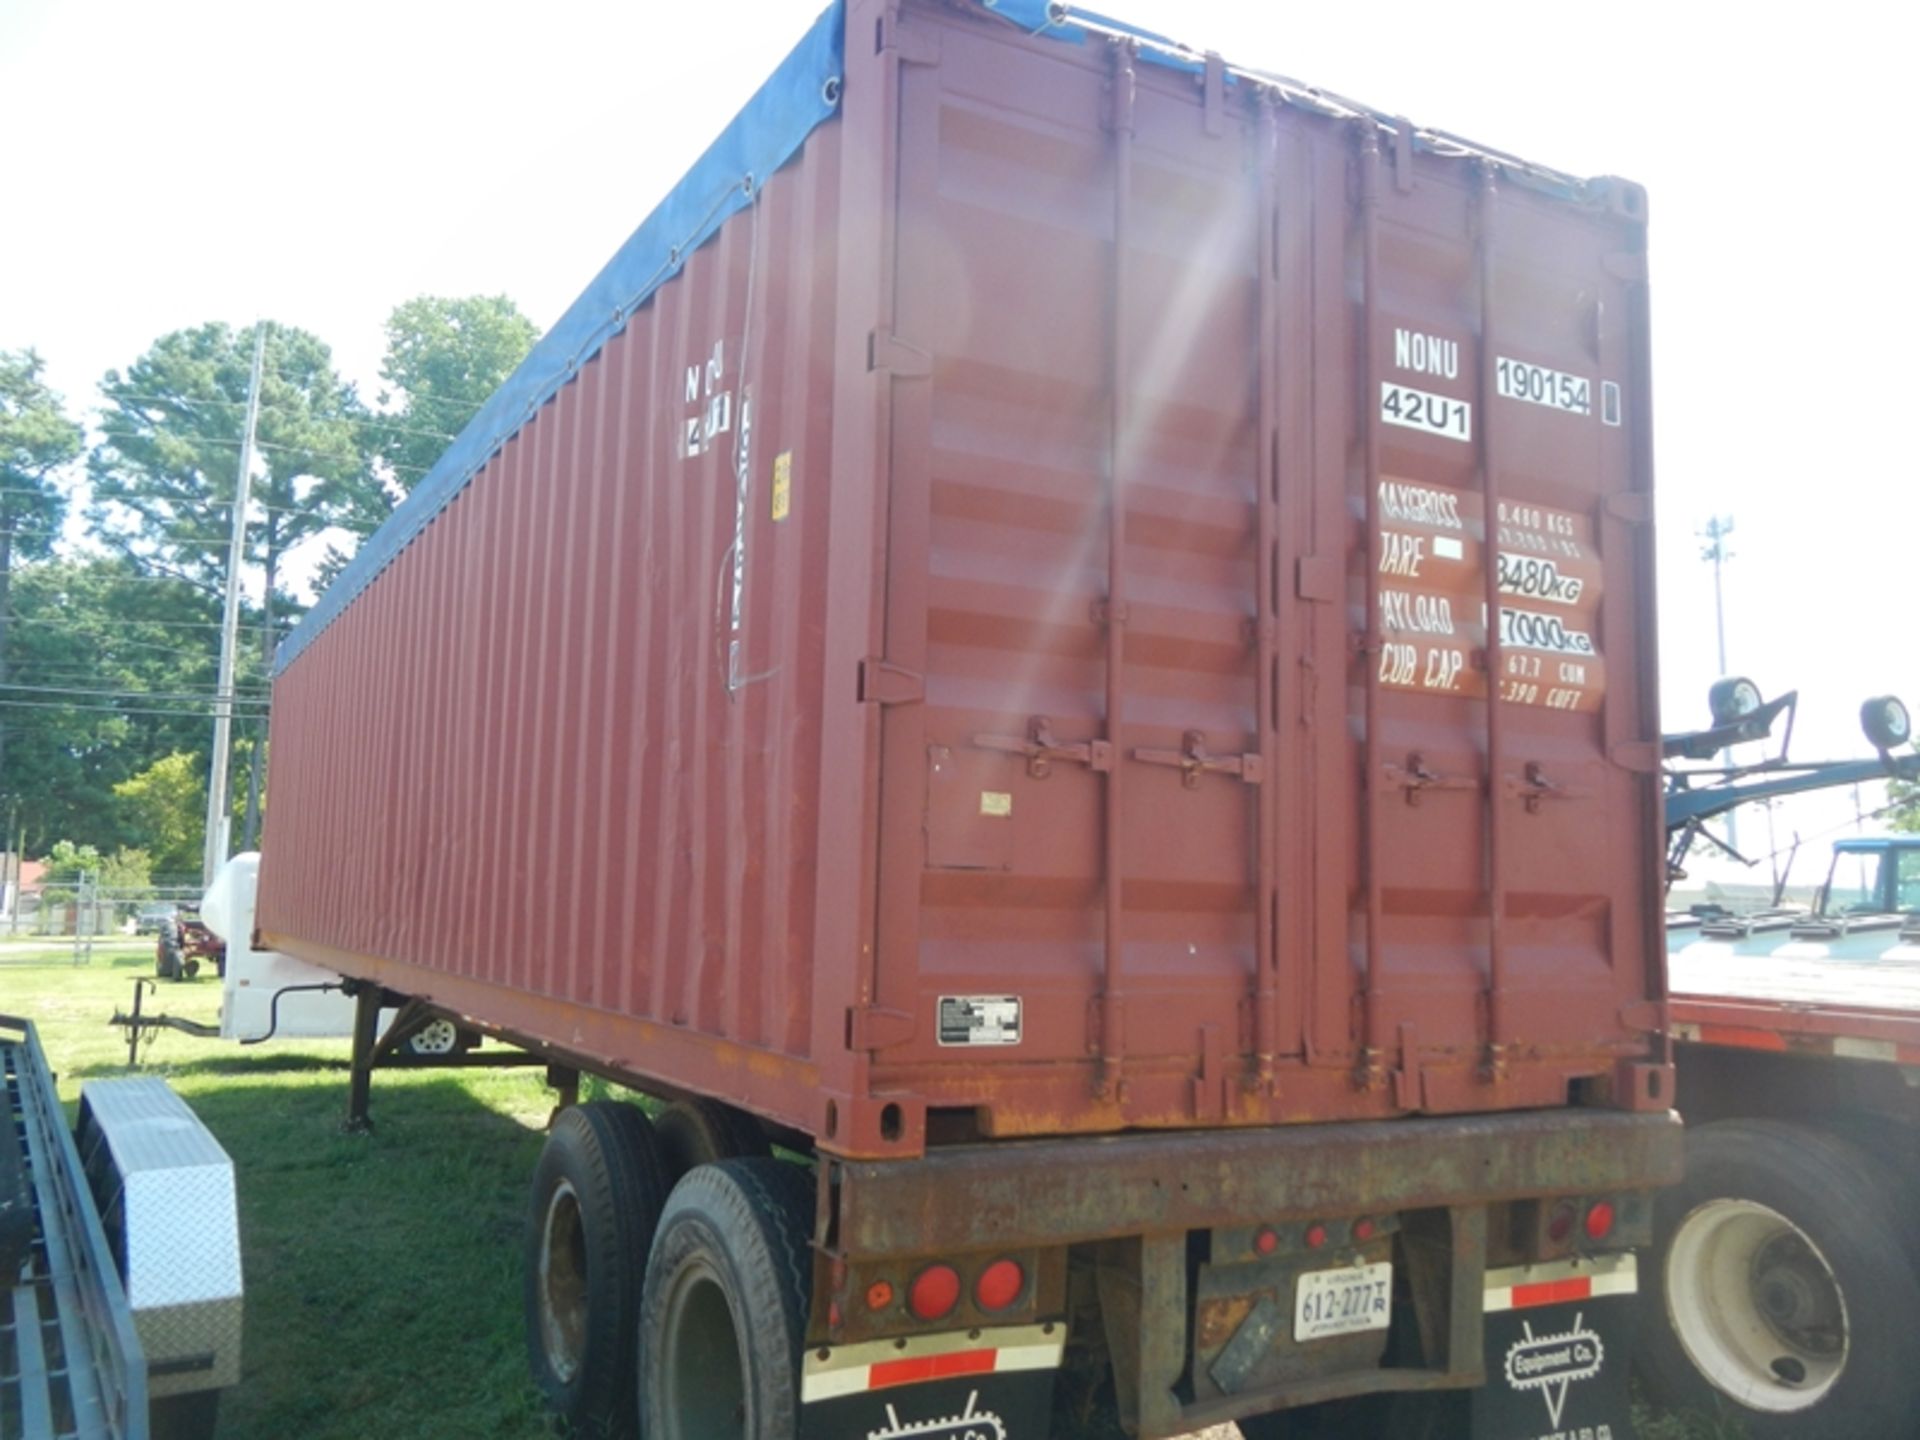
216	853
1715	550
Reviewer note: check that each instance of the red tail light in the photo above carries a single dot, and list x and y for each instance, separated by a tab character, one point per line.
1266	1240
879	1295
1599	1220
934	1292
1363	1230
1316	1236
999	1285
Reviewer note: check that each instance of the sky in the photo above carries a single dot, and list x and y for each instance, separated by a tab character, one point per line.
171	164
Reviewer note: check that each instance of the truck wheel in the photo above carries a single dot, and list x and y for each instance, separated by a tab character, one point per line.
700	1132
597	1193
725	1311
1778	1281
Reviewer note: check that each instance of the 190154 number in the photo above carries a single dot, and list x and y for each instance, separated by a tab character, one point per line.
1536	384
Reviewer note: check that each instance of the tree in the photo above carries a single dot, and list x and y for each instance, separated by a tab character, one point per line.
1903	798
164	476
445	357
115	669
166	805
124	869
36	440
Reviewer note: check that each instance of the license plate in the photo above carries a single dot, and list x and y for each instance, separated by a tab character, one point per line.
1342	1302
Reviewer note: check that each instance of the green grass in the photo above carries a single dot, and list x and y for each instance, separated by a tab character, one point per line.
382	1271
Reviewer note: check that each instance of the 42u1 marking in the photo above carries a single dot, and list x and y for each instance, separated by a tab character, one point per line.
1419	410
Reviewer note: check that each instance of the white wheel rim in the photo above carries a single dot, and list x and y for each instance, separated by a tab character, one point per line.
1756	1307
563	1284
436	1037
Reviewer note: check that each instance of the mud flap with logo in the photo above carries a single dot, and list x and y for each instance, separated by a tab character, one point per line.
979	1385
1558	1338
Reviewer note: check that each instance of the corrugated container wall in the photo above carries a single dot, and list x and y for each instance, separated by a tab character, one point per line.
997	642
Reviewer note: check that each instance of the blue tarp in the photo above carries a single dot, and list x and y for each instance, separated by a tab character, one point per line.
802	93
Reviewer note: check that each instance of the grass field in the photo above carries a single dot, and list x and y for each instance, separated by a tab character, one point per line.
382	1270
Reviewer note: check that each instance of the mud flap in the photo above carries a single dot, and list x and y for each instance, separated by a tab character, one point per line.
1558	1338
976	1385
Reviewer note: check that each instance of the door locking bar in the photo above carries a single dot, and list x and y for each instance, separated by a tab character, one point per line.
1193	759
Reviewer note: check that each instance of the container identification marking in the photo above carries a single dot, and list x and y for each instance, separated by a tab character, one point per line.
997	803
1420	410
1537	385
979	1020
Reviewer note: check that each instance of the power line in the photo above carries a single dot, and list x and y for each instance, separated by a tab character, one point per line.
373	419
26	689
190	712
169	624
313	451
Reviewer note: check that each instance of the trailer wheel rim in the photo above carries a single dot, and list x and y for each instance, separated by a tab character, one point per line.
1756	1306
563	1284
436	1037
704	1375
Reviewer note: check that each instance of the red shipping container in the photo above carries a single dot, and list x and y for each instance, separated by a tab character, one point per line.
984	628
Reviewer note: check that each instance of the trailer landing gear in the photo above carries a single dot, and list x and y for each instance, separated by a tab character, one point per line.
417	1039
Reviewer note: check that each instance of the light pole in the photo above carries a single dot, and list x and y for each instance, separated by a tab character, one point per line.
216	852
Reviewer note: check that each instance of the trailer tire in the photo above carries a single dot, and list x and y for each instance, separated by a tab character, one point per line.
701	1132
725	1312
597	1194
1804	1239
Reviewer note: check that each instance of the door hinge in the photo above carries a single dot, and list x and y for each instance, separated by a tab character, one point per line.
1633	507
870	1027
899	359
910	44
1642	757
1626	265
1646	1016
882	683
1213	90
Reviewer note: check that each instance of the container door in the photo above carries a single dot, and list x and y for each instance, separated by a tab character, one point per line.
1074	815
1504	897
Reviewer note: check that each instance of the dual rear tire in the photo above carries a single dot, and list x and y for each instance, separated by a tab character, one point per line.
1780	1289
676	1310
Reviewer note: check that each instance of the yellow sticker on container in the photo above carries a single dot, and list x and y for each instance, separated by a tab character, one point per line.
782	484
996	802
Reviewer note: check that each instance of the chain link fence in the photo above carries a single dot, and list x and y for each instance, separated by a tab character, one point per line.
83	911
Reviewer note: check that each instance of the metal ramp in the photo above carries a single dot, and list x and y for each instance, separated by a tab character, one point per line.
71	1366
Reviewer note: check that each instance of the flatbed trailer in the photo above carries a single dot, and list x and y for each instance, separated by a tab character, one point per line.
1782	1283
